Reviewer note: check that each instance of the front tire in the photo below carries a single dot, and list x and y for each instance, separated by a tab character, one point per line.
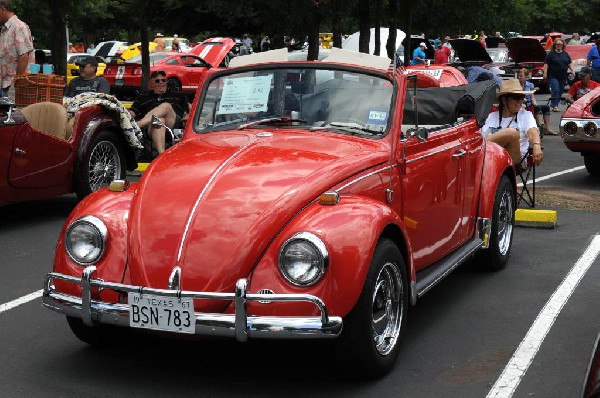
370	340
592	164
102	163
496	255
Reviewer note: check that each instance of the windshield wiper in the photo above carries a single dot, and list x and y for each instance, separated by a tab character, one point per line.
348	126
272	120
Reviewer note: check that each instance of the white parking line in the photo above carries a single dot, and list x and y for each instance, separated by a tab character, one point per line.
20	300
514	371
549	176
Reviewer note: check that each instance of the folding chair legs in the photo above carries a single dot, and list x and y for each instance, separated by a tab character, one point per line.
527	192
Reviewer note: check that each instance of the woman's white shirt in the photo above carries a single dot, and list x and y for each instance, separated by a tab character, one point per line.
523	121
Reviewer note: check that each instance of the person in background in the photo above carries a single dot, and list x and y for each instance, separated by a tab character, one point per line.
556	68
593	60
16	48
584	85
247	41
175	46
72	48
87	79
447	42
512	127
441	54
481	39
419	56
160	43
575	39
161	102
91	49
80	48
540	112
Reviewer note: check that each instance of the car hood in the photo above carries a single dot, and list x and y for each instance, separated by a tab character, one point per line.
213	50
470	51
213	203
523	49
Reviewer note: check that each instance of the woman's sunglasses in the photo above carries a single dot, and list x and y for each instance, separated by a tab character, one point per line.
516	97
160	80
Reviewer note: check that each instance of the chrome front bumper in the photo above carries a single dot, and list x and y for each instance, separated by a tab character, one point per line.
239	325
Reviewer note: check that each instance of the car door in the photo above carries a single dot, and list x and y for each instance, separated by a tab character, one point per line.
432	175
473	144
194	69
39	160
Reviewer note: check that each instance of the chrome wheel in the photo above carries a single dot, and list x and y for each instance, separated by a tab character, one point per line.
104	165
506	213
388	308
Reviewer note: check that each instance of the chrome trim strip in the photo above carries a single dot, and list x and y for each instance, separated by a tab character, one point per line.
239	325
365	176
203	192
433	153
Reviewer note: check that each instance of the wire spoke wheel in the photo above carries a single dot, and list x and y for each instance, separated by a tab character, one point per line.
505	222
104	165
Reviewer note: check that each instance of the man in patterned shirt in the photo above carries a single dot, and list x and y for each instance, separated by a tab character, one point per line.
16	48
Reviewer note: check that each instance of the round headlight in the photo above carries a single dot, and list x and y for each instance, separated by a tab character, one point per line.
85	240
303	259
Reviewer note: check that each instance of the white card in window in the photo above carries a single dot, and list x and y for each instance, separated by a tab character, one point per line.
245	94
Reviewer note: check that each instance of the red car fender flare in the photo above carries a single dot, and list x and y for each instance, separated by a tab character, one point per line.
112	208
350	230
497	163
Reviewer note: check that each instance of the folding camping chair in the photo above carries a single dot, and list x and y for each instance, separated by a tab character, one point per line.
526	173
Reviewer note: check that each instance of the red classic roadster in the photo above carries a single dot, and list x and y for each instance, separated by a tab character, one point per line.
579	127
306	200
44	154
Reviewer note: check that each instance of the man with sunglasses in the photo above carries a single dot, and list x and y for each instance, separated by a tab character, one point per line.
169	106
512	126
87	81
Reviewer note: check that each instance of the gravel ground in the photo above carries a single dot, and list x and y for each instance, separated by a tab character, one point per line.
553	197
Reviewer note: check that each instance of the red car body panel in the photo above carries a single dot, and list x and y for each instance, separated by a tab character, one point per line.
442	75
37	165
220	205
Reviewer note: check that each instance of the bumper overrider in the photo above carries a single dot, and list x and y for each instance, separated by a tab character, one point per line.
238	325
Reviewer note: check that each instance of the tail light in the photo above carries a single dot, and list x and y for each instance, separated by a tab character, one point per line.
590	129
570	128
537	72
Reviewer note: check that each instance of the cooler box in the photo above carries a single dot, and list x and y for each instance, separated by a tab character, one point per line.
34	88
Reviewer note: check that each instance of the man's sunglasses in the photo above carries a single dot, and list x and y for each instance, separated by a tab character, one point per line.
160	80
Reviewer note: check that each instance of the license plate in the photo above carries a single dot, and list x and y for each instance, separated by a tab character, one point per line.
148	311
119	82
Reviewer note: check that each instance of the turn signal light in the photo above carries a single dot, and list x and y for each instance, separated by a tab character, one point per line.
118	186
590	129
329	198
570	128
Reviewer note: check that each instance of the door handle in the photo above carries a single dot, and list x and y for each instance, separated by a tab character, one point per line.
460	154
19	151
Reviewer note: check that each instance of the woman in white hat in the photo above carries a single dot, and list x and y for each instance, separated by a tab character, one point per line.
513	127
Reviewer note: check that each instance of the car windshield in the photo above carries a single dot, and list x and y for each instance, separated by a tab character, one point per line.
340	101
498	55
154	58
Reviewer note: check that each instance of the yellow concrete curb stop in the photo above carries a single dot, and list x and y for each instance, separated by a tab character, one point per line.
535	218
142	167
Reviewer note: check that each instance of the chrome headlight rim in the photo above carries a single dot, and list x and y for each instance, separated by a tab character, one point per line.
98	226
319	247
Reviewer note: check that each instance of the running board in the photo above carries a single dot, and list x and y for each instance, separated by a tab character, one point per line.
432	275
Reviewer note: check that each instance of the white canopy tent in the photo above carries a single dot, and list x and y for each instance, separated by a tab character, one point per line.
351	43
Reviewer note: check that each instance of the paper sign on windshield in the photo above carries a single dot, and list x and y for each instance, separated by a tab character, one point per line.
245	94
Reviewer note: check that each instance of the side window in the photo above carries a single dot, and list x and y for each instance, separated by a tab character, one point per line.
172	61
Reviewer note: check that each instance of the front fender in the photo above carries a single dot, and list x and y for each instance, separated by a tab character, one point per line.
496	164
350	231
113	209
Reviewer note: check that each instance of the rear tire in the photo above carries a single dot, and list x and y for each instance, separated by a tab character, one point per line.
496	255
592	164
102	162
174	84
370	340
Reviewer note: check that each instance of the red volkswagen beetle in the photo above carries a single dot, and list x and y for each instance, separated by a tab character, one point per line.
45	154
306	200
183	69
579	127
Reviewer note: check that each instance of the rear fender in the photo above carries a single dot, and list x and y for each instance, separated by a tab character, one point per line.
350	231
496	164
112	208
